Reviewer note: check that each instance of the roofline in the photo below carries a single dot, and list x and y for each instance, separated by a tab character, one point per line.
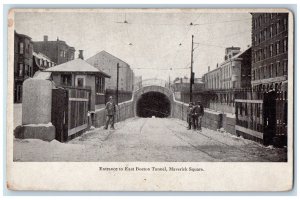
20	34
61	41
110	55
77	72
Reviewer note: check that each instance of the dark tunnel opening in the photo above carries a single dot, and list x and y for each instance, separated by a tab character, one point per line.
153	104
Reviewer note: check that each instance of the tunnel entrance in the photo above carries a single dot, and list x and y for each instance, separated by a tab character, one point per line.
153	104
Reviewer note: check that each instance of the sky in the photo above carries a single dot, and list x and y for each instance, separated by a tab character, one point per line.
154	43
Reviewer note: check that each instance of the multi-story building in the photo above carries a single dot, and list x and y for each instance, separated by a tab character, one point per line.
23	63
233	73
58	51
223	83
108	64
269	50
41	62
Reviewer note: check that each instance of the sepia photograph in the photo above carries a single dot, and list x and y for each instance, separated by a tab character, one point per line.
151	86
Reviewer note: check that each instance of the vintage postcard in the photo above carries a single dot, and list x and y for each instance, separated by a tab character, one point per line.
150	99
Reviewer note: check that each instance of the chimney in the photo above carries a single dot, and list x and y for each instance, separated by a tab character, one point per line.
208	68
45	38
80	55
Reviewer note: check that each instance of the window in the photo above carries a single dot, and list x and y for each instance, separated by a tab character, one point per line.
21	69
265	34
277	27
285	25
66	79
273	70
271	50
26	70
285	46
62	53
99	84
21	48
278	71
277	48
271	30
285	67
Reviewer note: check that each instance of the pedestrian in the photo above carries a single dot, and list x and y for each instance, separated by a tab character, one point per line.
190	113
110	108
199	112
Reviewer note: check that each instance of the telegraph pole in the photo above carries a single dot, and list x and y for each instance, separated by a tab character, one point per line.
192	78
117	92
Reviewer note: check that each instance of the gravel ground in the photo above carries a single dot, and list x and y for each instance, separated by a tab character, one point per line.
150	140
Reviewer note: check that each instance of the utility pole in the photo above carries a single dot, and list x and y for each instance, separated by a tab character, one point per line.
192	76
117	92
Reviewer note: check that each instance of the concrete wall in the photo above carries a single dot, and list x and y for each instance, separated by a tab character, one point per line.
229	122
124	111
211	119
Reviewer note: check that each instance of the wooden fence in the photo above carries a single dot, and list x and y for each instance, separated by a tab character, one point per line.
262	117
70	108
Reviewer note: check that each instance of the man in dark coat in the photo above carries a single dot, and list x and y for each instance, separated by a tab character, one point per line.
199	112
190	115
110	108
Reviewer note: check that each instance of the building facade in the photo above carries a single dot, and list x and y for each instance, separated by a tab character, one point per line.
23	63
58	51
108	64
223	84
78	73
233	73
269	50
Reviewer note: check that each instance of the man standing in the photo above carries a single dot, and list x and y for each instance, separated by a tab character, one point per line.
110	113
190	113
199	112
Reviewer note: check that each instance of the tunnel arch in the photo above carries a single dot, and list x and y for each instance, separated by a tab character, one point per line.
153	101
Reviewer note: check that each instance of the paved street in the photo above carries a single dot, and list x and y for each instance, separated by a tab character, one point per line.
148	139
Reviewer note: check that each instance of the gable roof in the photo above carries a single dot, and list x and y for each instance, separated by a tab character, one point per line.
76	65
103	52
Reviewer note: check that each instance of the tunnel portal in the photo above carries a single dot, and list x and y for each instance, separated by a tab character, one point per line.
153	104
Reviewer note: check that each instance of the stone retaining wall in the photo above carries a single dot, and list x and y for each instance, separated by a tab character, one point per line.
124	111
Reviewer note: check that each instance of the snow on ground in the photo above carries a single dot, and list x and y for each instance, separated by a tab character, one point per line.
148	139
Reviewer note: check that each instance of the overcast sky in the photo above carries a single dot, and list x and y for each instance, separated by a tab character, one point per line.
150	39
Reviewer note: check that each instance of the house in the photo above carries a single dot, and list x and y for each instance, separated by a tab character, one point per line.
41	62
107	63
58	51
23	49
79	74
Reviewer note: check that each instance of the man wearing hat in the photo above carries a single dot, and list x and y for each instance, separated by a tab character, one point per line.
199	112
110	108
190	115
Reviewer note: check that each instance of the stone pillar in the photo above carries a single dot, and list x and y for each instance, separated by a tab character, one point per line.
36	110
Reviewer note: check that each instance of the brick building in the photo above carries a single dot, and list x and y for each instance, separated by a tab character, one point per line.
23	63
108	64
269	50
58	51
